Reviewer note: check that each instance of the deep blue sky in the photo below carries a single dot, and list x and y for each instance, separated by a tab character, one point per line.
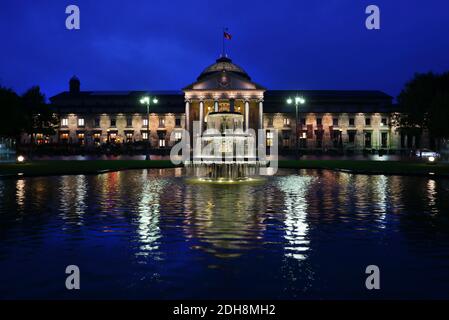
153	44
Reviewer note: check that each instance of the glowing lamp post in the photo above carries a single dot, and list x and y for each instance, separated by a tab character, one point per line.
298	100
147	101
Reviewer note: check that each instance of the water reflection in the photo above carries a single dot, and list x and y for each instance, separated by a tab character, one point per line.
20	193
148	229
224	218
72	200
294	189
155	234
380	198
431	195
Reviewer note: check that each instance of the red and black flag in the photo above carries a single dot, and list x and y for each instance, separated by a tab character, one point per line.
226	34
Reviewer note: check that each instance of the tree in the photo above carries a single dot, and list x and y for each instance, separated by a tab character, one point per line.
42	119
424	105
13	120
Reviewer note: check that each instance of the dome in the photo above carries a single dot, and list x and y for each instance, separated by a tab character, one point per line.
224	64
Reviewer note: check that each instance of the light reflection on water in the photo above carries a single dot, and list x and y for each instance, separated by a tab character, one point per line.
149	234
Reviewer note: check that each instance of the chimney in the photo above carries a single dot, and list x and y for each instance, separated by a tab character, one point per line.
74	85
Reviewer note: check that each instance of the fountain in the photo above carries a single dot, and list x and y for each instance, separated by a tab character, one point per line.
231	105
225	153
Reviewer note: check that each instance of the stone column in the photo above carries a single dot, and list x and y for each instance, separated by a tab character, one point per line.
246	115
187	127
215	105
201	116
261	114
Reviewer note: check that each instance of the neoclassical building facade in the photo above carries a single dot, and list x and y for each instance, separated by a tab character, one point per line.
328	120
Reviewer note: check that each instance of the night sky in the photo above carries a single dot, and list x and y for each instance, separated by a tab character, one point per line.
164	45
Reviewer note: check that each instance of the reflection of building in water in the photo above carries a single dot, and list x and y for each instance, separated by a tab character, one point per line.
379	198
294	189
149	209
293	198
20	193
109	187
368	196
72	200
395	185
225	220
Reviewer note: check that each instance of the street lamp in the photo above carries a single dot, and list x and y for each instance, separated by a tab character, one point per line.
147	101
298	100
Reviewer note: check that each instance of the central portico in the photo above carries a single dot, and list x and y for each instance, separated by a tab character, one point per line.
224	87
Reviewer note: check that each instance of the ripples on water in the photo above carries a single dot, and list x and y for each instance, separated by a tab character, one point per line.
150	234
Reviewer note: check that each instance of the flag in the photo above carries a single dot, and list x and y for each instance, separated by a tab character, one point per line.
227	35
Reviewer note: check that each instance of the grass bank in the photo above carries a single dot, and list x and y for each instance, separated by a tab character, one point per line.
63	167
371	167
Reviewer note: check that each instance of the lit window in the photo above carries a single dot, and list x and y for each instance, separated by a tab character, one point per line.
145	122
161	143
145	135
286	121
81	122
81	138
270	136
161	122
178	135
64	122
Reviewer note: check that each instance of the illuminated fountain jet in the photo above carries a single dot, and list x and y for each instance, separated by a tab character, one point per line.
229	106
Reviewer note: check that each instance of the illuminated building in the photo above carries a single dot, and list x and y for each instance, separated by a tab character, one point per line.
329	120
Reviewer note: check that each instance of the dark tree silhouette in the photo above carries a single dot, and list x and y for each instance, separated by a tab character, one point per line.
42	118
13	120
424	105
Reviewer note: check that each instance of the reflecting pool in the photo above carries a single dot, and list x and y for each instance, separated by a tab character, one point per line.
148	234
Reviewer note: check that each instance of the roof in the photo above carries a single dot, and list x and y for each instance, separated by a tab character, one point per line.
224	75
224	64
319	101
117	101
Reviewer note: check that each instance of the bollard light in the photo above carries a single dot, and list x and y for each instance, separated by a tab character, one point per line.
20	159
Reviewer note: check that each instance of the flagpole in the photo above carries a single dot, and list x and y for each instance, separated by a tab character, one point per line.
223	37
